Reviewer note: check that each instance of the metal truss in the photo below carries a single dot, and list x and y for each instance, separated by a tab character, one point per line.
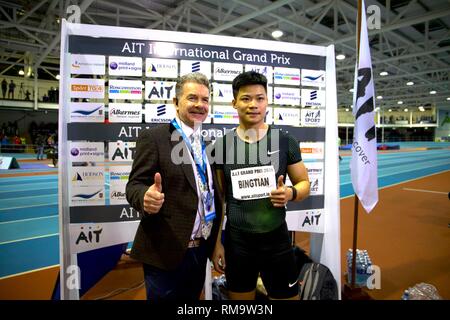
413	43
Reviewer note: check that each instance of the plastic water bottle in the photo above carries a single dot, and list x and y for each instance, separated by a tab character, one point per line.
405	295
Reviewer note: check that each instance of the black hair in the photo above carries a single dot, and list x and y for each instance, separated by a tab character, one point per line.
248	78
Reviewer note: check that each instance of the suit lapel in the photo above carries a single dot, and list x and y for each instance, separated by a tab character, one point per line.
186	167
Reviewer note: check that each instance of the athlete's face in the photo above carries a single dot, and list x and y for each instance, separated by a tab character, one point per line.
193	104
251	104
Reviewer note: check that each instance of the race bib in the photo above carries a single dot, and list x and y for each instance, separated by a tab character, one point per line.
253	183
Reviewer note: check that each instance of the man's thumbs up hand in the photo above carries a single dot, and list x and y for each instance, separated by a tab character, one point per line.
154	198
280	196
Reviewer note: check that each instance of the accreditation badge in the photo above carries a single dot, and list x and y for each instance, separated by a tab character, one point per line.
253	183
208	205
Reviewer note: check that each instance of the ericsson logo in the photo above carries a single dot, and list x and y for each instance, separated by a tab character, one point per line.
313	95
196	66
161	110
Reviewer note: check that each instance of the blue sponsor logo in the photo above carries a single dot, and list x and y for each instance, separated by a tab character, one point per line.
311	78
88	196
86	112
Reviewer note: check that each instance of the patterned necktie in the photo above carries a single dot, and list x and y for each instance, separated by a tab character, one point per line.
197	150
197	147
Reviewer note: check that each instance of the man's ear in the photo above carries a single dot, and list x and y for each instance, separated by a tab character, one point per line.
233	103
175	103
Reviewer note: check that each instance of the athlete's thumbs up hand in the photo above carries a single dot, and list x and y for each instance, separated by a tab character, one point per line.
154	198
279	196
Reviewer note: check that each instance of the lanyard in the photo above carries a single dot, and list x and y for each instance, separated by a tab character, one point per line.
201	169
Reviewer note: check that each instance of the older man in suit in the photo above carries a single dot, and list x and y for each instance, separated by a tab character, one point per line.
171	183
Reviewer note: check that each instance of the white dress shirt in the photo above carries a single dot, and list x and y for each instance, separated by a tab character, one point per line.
188	131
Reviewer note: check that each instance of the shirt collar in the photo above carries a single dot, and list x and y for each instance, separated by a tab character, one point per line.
188	131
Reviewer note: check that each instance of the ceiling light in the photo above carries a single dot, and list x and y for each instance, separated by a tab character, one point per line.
21	72
406	109
400	102
390	110
448	98
410	83
384	73
58	76
347	109
422	109
379	97
277	34
340	56
433	92
351	90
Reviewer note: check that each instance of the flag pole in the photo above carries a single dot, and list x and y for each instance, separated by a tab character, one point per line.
355	240
356	202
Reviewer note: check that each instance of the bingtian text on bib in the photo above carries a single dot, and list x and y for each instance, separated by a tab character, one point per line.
253	183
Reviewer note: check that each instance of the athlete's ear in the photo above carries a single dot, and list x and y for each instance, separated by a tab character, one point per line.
175	103
233	103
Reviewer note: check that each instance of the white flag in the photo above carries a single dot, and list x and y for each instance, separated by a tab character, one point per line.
363	165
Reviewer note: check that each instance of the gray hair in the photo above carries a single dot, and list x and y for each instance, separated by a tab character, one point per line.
195	77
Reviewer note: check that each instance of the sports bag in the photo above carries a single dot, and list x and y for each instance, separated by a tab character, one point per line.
317	283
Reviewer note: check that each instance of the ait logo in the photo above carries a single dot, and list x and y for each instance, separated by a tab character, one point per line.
195	66
313	95
220	93
161	110
87	196
280	117
153	68
162	93
87	112
89	235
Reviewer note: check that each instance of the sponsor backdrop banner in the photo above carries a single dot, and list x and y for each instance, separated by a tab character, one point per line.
113	86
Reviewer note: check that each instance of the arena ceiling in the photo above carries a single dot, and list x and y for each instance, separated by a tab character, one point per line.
413	43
